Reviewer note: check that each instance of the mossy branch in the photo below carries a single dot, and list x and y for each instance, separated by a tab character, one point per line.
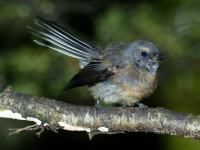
54	114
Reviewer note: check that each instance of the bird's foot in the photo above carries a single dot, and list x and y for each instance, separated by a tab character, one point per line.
98	104
141	105
101	103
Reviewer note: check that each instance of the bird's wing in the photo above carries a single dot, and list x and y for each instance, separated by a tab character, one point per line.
93	73
51	35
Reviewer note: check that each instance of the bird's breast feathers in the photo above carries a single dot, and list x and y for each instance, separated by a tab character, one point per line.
126	87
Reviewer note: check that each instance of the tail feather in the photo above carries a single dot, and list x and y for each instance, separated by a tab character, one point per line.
50	35
58	45
60	50
58	31
55	28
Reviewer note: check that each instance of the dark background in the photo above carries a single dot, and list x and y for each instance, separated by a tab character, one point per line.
173	25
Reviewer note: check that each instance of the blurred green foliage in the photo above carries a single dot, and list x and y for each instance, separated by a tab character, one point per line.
174	26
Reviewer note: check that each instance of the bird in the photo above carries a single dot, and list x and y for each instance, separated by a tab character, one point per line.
119	74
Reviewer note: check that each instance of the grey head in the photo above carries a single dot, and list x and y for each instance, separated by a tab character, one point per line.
144	55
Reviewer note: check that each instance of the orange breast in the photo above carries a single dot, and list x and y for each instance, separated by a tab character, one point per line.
137	86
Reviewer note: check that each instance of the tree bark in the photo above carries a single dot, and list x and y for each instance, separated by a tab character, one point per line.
59	115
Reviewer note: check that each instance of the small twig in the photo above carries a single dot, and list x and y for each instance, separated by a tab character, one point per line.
27	128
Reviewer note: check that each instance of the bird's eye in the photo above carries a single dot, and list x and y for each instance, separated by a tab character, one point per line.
144	54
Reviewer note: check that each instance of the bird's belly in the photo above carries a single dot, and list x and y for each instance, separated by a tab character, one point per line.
125	93
107	92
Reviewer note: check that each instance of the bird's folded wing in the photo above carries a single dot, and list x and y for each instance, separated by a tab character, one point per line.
93	73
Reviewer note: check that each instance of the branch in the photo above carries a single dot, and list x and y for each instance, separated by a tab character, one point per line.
46	112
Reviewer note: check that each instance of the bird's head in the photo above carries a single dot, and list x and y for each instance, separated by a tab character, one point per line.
144	55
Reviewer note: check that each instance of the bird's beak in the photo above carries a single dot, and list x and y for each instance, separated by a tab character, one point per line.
158	57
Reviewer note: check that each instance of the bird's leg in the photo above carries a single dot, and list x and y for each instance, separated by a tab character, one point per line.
98	103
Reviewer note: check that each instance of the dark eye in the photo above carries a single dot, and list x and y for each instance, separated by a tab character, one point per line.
144	54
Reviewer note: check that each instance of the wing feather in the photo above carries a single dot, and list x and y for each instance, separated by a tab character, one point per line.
91	74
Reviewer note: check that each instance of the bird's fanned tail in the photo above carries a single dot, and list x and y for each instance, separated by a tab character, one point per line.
51	35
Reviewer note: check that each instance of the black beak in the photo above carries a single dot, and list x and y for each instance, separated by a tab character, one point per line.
158	57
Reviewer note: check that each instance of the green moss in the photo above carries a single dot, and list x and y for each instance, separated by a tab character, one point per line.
41	116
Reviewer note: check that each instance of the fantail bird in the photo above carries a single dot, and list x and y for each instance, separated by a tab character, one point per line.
118	74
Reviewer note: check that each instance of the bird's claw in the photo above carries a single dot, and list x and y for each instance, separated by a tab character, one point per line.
141	106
